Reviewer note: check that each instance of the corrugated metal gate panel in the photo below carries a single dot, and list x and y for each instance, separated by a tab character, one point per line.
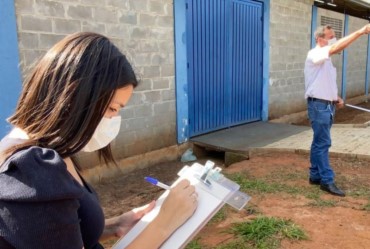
223	63
207	63
246	62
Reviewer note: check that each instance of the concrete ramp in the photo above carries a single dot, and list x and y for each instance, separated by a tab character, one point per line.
347	140
244	137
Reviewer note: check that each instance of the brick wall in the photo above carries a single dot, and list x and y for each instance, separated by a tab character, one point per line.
143	30
356	65
290	37
356	56
290	29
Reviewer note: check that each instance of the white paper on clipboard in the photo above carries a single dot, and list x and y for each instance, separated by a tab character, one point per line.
208	205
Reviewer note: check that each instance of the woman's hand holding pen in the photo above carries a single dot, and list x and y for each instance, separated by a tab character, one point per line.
179	205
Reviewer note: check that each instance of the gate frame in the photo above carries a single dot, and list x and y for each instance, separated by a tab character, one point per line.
181	65
10	82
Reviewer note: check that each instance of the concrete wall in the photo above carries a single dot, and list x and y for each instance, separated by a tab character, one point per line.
356	56
290	36
356	66
143	30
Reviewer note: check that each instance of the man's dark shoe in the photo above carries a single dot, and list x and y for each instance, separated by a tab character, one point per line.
314	182
332	189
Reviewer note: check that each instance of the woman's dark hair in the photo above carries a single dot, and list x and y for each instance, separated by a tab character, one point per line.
66	95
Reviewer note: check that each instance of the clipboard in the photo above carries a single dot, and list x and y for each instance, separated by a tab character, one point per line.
214	190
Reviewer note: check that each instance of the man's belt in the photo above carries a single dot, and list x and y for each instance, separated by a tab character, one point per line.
323	101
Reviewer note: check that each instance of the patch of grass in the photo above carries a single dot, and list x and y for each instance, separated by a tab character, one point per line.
267	232
194	244
283	175
358	186
313	194
323	203
252	209
359	192
235	244
261	186
366	207
220	215
252	184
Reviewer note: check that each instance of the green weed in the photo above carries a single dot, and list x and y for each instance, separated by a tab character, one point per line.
313	194
252	209
366	207
359	192
267	232
194	244
220	215
323	203
237	243
261	186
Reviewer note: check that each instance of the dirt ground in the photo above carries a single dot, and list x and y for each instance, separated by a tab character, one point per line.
343	225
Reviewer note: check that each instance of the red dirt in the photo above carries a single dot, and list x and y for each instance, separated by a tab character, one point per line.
345	225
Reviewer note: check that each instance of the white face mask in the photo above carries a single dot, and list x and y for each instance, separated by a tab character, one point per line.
332	41
106	131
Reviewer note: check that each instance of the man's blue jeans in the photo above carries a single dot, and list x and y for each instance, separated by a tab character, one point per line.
321	116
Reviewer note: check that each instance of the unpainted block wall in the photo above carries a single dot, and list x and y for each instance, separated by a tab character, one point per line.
143	30
356	65
356	56
290	36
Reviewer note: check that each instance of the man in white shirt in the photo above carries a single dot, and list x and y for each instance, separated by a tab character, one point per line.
321	92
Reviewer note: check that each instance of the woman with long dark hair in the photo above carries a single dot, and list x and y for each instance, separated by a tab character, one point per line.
70	103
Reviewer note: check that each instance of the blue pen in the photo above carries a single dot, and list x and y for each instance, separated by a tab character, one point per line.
157	183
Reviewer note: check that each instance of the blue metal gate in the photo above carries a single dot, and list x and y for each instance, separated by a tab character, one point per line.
224	44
